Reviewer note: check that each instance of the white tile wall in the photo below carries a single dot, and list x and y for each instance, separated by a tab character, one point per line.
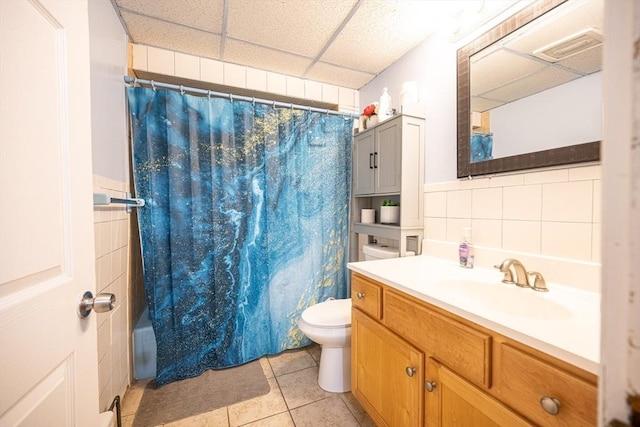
234	75
187	66
276	83
161	61
211	71
295	87
459	204
111	225
522	202
256	80
551	214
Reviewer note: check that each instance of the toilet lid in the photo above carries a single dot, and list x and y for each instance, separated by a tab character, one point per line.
332	313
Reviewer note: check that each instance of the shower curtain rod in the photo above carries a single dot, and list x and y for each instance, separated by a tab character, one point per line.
134	80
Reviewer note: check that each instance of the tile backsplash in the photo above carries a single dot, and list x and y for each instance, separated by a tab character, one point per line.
549	218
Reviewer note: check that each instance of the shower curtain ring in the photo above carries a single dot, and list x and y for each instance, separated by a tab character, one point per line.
209	94
181	90
231	97
253	101
291	105
274	104
153	85
135	81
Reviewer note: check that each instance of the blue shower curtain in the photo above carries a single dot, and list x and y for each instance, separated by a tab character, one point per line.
245	224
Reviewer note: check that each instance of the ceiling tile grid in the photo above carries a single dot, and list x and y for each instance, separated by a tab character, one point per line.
341	42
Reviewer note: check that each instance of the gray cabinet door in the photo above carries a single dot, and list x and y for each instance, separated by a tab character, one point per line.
363	164
387	157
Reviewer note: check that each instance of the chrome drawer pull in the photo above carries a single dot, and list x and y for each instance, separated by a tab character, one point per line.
360	295
550	404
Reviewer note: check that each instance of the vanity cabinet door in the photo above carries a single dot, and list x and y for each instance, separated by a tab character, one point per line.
453	401
386	374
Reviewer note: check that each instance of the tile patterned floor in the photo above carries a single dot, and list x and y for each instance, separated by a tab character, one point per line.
295	400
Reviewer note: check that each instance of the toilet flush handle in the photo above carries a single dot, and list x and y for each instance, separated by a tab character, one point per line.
360	295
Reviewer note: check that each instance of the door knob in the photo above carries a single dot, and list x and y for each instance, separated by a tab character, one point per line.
410	370
360	295
101	303
430	385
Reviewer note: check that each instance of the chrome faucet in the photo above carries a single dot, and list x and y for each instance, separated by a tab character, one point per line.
519	276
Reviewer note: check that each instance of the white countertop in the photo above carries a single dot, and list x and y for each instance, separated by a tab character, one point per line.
564	322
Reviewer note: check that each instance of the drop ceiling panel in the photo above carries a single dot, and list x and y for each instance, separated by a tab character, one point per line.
328	73
297	26
202	14
545	79
158	33
379	34
543	32
491	71
249	54
481	104
587	62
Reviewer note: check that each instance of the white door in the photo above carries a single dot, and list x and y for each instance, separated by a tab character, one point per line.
48	355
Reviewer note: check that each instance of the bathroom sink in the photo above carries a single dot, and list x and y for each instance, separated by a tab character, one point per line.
502	298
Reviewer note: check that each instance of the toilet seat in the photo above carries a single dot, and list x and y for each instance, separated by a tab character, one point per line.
329	314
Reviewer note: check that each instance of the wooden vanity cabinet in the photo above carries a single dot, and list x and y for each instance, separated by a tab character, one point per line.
468	374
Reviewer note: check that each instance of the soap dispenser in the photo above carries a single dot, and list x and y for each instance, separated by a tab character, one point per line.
465	250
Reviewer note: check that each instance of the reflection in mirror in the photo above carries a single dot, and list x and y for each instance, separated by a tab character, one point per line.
531	97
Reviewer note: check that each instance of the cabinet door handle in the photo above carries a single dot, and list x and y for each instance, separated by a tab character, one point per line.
430	385
410	370
550	404
375	160
370	160
360	295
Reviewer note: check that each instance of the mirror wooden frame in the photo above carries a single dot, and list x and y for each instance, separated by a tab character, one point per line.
586	152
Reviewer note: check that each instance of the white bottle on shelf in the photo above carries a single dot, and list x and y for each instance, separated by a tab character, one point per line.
384	109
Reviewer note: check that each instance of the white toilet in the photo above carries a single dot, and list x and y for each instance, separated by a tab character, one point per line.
373	252
329	324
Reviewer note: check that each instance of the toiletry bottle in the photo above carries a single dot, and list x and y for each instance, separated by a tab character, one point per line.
385	105
465	250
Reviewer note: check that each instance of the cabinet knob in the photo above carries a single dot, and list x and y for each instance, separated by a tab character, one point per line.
410	370
430	385
360	295
550	404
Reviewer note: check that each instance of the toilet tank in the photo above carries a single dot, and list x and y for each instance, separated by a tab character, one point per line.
373	252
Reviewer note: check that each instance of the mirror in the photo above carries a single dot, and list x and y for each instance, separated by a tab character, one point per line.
529	90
